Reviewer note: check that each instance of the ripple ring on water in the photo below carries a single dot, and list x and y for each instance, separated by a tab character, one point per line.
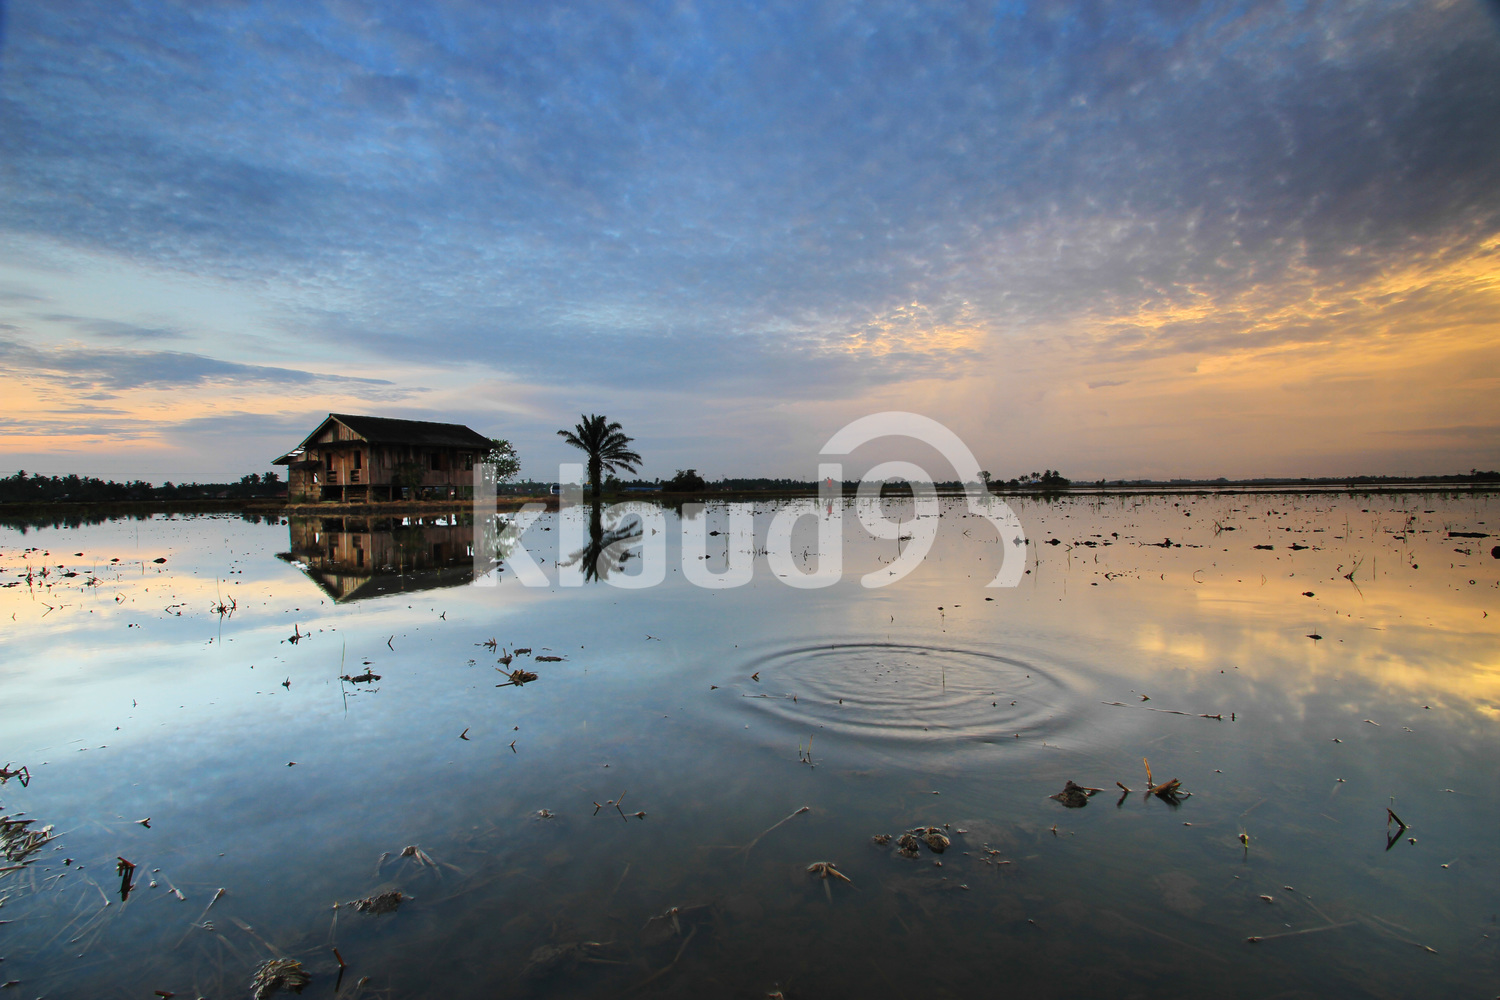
907	693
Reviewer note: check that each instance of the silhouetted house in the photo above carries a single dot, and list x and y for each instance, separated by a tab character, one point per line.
351	457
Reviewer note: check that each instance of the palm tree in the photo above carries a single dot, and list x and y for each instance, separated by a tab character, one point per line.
605	445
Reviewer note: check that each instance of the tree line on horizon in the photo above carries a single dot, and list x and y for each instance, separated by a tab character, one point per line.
608	453
24	487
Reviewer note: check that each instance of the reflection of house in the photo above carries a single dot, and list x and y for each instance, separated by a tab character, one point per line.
378	458
352	558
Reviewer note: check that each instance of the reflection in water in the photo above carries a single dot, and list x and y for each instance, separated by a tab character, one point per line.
1342	812
356	558
608	549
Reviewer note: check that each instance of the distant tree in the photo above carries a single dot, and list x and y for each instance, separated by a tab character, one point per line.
502	455
986	477
686	481
606	446
1054	480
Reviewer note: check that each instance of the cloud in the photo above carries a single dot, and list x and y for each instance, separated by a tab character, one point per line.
781	203
121	370
114	329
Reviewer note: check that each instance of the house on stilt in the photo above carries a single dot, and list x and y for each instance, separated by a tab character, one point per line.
351	457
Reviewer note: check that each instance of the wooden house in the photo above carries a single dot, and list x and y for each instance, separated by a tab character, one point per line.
350	457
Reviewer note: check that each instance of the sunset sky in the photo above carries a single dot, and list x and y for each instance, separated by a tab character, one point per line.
1158	238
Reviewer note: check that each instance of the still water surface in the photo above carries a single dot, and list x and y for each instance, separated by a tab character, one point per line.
717	714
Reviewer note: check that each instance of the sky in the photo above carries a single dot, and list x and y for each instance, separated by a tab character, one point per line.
1149	239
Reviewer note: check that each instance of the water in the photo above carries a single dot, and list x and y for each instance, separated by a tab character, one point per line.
720	713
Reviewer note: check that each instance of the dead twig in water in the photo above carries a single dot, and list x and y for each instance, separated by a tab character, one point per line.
276	975
517	677
621	882
1388	929
1258	938
826	870
125	870
670	965
1167	791
751	845
1392	838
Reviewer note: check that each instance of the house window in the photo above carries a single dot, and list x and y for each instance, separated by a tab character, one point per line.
359	460
469	463
437	461
328	460
354	473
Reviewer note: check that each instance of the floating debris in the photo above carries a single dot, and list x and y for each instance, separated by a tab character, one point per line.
1392	838
276	975
1075	796
1168	791
550	958
18	842
548	659
125	869
827	869
909	843
935	840
364	678
518	677
420	856
380	904
881	839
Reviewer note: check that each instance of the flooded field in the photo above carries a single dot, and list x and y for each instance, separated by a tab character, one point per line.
318	741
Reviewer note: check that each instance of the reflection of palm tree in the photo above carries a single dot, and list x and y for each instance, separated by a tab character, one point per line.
605	444
606	551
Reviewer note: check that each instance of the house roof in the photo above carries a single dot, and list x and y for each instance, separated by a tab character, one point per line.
297	459
387	430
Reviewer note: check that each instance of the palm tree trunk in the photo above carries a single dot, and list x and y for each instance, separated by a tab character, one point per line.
595	472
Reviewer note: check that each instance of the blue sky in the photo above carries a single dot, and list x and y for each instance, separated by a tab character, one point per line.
1162	238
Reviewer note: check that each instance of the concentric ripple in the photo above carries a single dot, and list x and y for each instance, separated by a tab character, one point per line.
907	693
